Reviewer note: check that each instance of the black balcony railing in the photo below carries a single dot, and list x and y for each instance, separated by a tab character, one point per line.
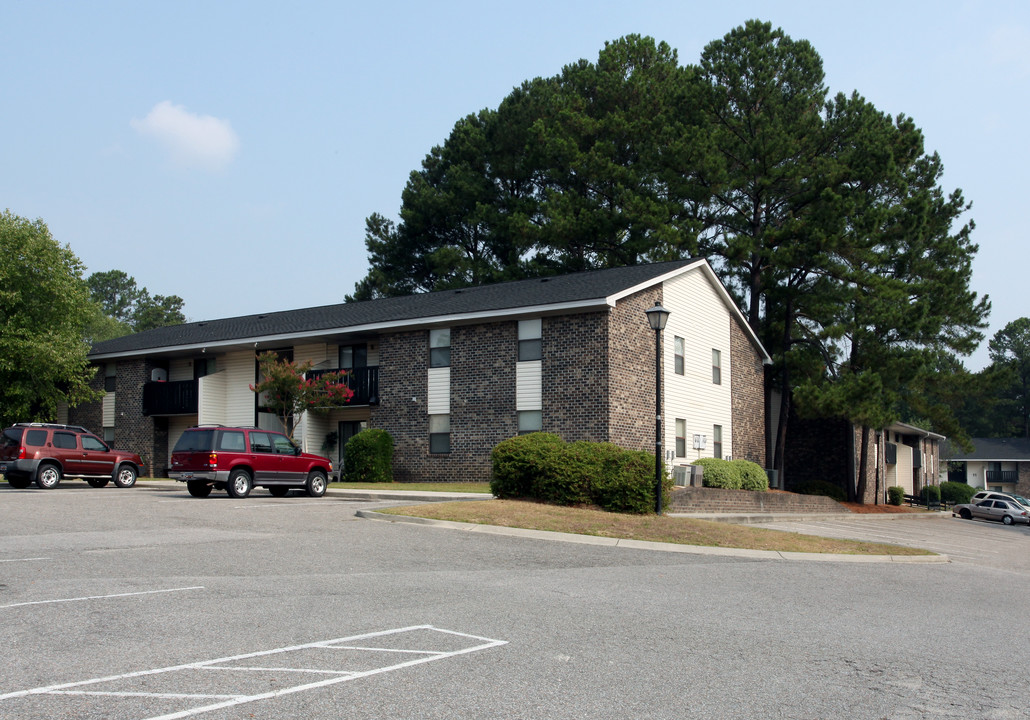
1002	476
363	381
170	398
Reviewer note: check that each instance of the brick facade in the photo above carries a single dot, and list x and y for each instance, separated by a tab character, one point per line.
575	376
631	359
747	397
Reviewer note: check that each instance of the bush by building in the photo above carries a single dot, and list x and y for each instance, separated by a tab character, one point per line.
956	493
368	457
752	476
895	495
720	473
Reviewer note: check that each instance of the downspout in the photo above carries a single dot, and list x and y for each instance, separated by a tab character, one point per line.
879	457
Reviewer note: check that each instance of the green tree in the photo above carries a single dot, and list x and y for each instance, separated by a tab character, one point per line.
44	310
288	391
1010	355
131	307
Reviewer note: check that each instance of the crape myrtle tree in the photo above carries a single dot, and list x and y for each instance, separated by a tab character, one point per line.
288	389
44	308
822	215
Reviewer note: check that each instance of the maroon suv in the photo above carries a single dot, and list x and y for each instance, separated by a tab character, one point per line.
47	452
236	459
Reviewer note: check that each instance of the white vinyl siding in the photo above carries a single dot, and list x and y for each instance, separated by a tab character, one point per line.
697	313
180	369
235	374
529	385
107	410
439	391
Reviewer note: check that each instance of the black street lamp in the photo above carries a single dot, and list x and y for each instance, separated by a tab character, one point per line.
657	317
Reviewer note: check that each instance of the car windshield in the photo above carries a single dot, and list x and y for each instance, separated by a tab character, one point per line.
1022	500
195	441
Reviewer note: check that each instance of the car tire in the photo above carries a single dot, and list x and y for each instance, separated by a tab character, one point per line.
240	484
317	483
278	490
198	489
97	482
126	476
18	483
48	476
965	514
1007	519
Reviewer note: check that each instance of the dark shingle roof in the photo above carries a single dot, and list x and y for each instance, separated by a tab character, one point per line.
578	287
986	449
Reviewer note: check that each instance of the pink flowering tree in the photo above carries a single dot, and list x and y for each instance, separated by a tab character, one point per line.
288	391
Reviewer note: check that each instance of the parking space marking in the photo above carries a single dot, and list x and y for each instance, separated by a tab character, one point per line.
406	647
102	597
38	559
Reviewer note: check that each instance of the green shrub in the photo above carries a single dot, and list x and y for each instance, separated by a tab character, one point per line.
565	473
956	493
720	473
368	457
931	495
820	487
895	495
626	481
517	463
752	476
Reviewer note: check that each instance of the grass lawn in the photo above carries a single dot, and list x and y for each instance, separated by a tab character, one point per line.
686	531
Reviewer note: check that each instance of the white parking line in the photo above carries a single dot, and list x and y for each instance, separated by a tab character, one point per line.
25	560
101	597
420	644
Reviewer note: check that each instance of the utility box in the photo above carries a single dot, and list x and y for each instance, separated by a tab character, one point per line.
697	474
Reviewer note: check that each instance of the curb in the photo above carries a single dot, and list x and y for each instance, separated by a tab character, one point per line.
648	545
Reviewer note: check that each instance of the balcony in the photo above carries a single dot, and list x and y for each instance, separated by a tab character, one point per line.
1002	476
363	381
170	398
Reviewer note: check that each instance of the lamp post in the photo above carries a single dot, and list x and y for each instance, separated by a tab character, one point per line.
656	318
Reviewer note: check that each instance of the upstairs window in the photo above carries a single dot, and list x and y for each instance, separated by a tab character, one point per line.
679	346
440	348
110	377
716	367
530	340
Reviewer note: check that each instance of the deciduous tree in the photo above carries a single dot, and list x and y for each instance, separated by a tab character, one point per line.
288	391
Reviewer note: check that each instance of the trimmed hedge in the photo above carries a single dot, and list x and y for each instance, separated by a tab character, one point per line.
720	473
930	494
895	495
956	493
368	457
752	476
541	466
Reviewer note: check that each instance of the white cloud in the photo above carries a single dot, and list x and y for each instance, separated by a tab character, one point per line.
196	141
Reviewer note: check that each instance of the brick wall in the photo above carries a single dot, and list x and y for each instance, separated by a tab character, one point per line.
132	429
403	359
90	415
631	357
747	396
576	376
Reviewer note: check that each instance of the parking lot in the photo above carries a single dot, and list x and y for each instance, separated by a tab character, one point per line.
147	603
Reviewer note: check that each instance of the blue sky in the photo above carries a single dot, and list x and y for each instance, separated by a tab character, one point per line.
229	152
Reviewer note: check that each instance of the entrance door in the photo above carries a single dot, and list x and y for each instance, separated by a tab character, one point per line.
347	429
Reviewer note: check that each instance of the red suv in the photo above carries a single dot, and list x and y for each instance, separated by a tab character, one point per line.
47	452
236	459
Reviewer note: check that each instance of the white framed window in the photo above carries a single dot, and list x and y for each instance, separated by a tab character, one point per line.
530	340
716	367
679	350
439	434
530	421
681	437
440	347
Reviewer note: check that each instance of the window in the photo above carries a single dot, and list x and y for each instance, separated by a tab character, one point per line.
109	435
681	438
678	349
717	441
202	367
530	340
91	443
260	442
530	421
716	367
354	356
231	441
283	446
439	433
110	377
440	348
35	438
65	441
